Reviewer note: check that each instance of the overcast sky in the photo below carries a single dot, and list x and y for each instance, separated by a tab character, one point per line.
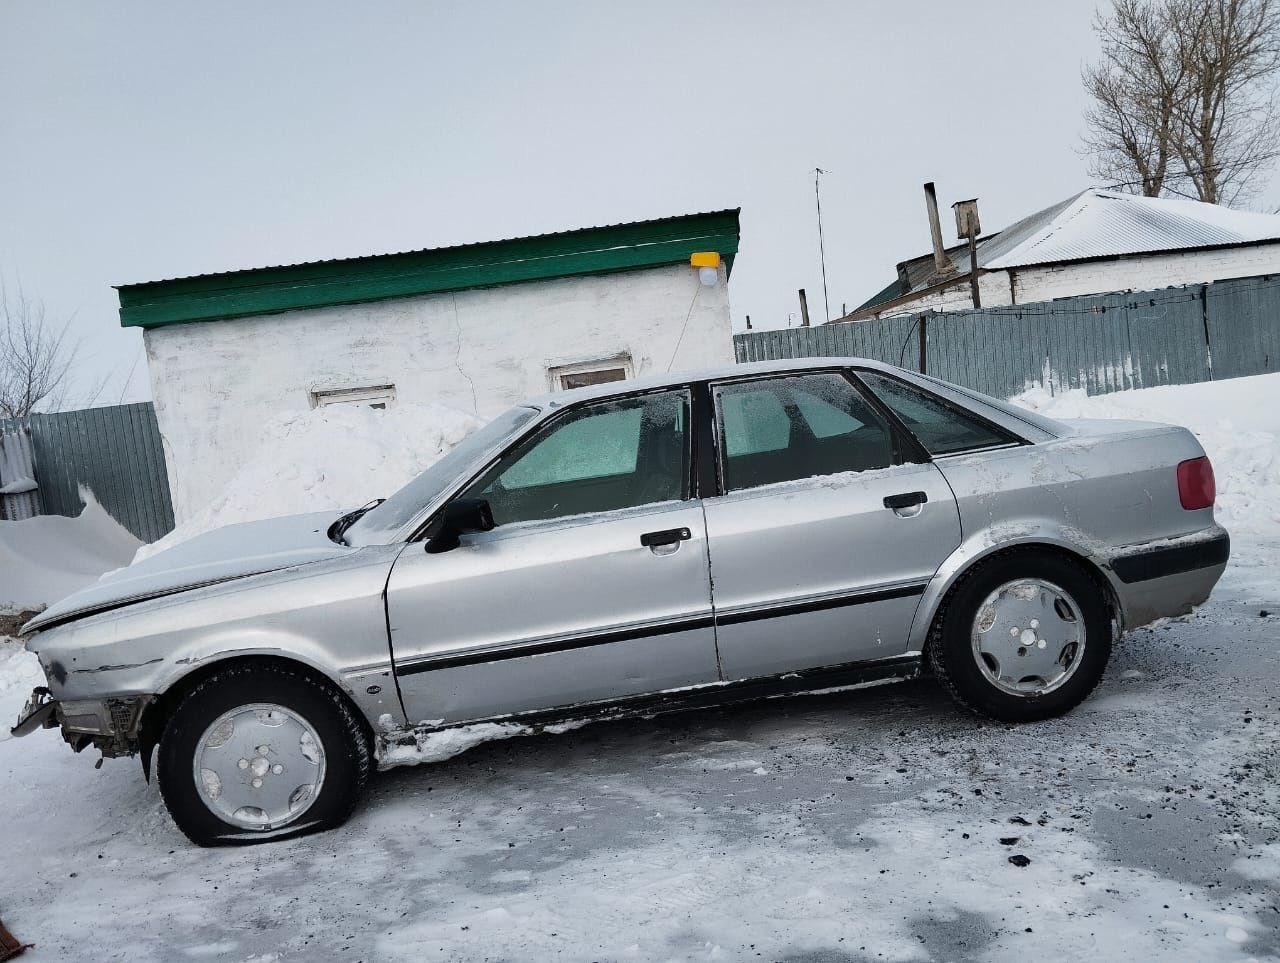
146	141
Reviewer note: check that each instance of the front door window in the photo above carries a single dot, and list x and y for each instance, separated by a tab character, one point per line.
602	457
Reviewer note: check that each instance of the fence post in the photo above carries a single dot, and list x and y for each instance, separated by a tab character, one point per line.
1204	319
924	340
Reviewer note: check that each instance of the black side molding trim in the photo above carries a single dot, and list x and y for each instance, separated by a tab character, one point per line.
661	628
554	645
1160	562
818	605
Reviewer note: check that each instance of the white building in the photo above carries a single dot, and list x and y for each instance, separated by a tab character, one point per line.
478	327
1096	242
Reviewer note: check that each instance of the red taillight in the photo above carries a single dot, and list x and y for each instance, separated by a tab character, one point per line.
1196	488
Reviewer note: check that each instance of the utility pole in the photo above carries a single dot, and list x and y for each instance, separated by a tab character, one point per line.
804	309
822	251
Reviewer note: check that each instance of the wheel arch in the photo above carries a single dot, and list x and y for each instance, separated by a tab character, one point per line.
156	714
972	555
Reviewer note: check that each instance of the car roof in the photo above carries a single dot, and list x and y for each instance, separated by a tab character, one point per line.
1003	413
608	389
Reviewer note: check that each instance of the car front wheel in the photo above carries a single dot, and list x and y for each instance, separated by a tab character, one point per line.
1025	636
258	752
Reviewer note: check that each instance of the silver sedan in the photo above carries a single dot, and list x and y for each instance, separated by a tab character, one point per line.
634	547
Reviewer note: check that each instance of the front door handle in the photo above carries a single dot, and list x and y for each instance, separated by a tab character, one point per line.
905	500
668	536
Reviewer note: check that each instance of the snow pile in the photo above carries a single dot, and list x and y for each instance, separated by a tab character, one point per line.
46	558
1239	431
336	457
417	747
19	671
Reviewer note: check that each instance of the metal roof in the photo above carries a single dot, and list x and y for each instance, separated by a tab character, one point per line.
1097	223
268	290
1092	224
657	221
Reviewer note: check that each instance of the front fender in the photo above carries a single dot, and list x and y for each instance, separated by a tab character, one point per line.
328	615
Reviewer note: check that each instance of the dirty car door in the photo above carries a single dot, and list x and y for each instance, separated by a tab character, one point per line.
592	586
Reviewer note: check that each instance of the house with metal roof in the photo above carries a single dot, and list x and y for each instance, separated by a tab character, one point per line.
477	326
1094	242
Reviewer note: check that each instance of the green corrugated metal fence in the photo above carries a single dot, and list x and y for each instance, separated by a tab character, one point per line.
115	451
1102	343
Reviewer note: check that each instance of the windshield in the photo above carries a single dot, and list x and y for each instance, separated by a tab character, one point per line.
380	523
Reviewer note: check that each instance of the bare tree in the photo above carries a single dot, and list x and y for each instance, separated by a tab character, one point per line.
1136	89
35	357
1182	97
1228	121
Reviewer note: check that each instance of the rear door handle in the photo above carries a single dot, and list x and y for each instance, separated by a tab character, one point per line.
668	536
905	500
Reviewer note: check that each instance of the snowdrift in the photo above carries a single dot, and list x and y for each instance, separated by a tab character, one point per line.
340	456
46	558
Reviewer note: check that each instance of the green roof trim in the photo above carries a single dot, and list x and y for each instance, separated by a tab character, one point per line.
592	250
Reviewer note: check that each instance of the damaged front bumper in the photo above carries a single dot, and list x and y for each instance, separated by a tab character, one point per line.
111	724
38	713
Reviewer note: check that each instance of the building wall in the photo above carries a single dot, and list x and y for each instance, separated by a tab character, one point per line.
1024	285
1143	273
216	383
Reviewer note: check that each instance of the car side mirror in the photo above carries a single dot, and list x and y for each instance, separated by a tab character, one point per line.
461	516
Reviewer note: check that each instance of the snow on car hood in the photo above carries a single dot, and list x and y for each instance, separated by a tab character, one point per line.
235	551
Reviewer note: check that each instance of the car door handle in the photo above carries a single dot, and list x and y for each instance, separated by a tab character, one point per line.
668	536
905	500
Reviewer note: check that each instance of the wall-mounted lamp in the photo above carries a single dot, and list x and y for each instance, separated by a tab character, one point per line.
708	265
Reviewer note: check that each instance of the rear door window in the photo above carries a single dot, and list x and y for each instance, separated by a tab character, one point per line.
803	426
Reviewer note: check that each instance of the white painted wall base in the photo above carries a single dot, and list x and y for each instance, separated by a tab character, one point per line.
215	383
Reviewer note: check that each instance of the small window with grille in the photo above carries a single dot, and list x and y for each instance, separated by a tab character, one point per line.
598	372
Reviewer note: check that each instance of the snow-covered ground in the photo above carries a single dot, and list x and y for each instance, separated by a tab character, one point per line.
867	826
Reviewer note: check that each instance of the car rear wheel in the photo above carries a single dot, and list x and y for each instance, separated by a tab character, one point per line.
258	752
1024	636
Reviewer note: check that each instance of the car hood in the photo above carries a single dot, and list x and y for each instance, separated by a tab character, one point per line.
236	551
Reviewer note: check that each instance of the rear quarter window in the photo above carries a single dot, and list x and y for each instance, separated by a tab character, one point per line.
942	429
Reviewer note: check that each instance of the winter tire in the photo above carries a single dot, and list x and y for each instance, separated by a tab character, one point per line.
257	752
1024	636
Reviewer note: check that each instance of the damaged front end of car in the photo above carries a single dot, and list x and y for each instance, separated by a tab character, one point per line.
96	691
112	726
